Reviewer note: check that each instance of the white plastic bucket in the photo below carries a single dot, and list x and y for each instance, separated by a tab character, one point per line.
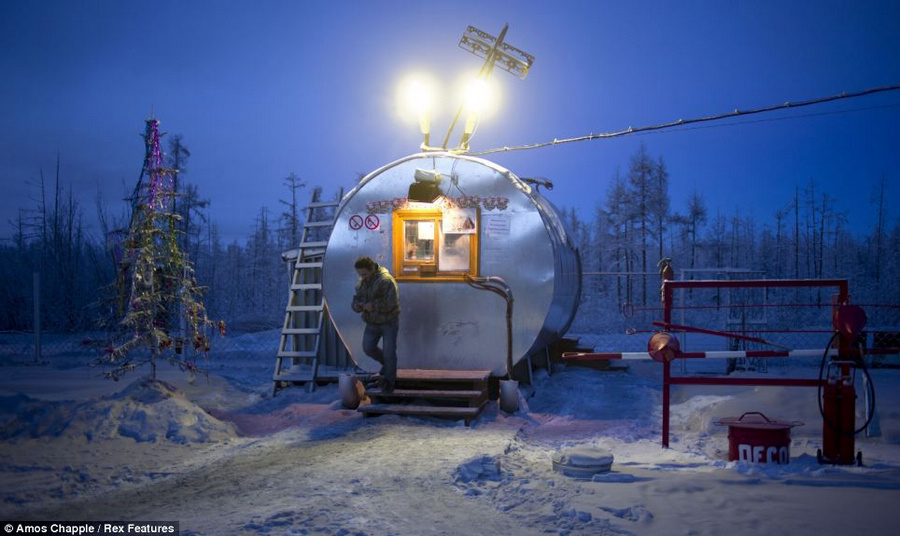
348	390
509	396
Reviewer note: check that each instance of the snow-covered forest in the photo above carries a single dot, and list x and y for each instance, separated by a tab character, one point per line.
635	224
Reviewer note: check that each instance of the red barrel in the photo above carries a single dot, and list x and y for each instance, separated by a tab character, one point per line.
755	438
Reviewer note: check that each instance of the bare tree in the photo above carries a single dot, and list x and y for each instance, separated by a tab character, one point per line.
617	208
879	234
290	218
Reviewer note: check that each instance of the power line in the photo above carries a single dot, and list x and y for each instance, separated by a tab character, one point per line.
682	122
774	119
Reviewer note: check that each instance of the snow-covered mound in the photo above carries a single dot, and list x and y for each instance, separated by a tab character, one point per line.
146	411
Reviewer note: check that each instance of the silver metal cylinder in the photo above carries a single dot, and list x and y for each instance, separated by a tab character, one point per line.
447	324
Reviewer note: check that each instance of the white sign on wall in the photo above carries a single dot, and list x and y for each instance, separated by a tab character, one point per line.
460	221
496	225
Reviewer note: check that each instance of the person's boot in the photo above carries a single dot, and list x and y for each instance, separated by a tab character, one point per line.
387	387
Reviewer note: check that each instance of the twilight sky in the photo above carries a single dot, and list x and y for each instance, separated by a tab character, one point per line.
262	89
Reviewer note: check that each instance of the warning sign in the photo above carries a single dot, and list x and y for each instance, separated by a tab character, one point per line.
356	222
372	222
497	225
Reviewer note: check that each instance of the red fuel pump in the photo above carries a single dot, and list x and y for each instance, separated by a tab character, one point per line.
839	415
837	398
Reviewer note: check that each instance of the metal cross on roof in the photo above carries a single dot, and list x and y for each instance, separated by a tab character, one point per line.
496	52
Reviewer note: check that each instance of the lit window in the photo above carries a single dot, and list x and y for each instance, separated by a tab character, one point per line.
435	245
419	240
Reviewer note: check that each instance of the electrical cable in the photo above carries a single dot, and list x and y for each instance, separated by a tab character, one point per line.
870	386
774	119
682	122
454	179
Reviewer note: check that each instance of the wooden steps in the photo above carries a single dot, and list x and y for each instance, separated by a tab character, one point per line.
425	394
455	394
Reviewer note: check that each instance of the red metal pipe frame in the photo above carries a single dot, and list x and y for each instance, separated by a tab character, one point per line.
732	335
593	356
667	289
758	283
785	382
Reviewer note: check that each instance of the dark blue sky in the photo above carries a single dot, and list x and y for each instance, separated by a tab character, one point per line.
262	89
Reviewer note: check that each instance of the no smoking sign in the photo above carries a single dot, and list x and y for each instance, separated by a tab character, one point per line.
371	222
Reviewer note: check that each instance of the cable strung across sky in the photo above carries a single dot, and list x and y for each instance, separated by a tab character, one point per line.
682	122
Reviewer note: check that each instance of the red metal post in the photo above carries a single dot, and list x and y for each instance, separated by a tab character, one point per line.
838	441
667	318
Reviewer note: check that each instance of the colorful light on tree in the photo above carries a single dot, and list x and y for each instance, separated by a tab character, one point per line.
163	312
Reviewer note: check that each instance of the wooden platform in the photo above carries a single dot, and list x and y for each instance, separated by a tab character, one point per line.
455	394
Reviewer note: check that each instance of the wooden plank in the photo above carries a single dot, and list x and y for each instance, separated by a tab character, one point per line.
306	286
443	375
304	308
424	393
300	331
434	411
285	354
293	376
324	204
302	265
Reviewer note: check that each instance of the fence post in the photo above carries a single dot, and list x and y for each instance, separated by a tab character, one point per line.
37	317
667	317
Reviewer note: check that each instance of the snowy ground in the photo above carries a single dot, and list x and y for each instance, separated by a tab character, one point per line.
221	456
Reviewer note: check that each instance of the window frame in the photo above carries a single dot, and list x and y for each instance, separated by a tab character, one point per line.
436	215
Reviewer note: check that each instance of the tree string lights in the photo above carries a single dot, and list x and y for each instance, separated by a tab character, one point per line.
163	306
682	122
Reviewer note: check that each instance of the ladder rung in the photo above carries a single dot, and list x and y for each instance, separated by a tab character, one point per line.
324	223
304	308
324	204
300	331
296	355
300	265
307	286
293	377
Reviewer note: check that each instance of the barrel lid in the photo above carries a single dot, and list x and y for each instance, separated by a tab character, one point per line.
758	421
584	456
582	461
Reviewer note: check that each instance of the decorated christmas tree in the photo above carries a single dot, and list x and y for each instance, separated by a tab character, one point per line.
161	305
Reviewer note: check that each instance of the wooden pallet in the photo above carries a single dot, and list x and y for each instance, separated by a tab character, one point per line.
454	394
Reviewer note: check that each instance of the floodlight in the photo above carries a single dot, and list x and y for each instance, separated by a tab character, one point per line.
426	187
417	96
477	96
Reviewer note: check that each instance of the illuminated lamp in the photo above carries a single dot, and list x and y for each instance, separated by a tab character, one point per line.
427	186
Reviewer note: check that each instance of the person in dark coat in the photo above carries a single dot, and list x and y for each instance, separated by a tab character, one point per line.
378	299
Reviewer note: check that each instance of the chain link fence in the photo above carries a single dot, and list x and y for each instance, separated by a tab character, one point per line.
743	319
246	356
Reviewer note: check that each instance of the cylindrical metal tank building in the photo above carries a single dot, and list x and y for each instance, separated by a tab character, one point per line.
432	218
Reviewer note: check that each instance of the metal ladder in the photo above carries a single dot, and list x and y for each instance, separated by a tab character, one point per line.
305	312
